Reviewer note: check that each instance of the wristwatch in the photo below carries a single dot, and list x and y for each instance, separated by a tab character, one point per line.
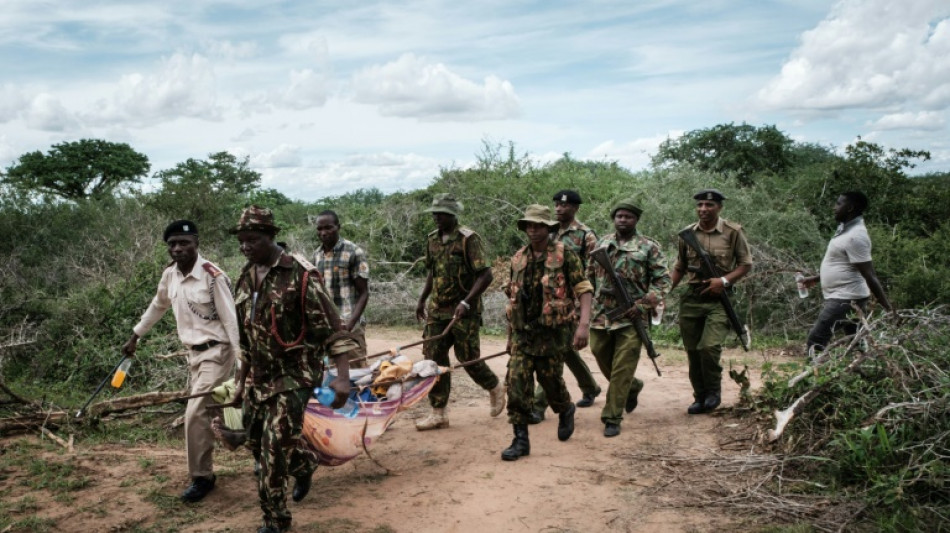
725	282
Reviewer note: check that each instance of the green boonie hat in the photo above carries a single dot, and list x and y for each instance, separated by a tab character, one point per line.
628	204
540	214
445	203
255	218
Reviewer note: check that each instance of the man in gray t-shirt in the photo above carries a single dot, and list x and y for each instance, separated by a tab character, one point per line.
847	274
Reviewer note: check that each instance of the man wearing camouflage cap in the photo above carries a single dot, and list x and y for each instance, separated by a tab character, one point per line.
199	294
580	239
288	323
639	263
544	324
704	324
457	276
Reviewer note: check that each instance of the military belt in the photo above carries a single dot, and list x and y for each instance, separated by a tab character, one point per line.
205	346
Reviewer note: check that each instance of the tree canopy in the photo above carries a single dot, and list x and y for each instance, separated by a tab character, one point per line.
88	168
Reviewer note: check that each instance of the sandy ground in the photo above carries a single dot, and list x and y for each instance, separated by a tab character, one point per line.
449	480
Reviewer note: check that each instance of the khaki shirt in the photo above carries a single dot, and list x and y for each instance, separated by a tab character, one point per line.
190	299
726	245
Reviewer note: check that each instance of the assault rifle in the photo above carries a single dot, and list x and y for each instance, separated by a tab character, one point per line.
625	301
709	270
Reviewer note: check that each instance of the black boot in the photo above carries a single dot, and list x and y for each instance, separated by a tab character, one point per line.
712	401
565	424
520	446
696	408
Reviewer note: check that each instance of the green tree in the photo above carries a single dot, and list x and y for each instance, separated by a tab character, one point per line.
209	192
743	149
89	168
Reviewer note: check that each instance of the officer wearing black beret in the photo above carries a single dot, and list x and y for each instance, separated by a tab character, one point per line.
567	196
703	321
180	227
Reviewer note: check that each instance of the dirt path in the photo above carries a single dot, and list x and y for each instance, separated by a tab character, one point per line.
449	480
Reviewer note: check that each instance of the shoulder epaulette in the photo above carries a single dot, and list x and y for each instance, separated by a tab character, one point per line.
304	262
211	269
691	226
731	224
466	232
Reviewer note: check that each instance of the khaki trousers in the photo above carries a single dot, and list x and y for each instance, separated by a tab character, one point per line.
208	369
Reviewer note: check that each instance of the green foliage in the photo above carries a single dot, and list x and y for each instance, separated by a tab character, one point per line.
883	426
744	150
89	168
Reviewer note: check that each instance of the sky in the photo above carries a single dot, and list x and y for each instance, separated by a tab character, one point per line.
328	97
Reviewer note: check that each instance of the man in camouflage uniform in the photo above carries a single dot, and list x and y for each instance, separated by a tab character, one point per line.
345	274
457	277
580	239
287	325
547	279
640	264
703	321
199	295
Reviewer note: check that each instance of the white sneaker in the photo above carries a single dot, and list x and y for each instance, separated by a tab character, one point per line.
498	397
436	420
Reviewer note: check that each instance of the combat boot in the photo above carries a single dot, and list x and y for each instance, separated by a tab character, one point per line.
565	423
696	407
498	397
520	446
436	420
713	399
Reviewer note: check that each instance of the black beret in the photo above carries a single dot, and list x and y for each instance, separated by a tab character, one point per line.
709	194
180	227
568	196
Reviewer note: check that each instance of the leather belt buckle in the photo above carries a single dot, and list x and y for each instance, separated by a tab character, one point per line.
205	346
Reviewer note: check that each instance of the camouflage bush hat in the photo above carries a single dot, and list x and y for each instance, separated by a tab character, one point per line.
445	203
627	204
255	218
540	214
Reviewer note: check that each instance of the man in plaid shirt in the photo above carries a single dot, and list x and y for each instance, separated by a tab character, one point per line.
345	274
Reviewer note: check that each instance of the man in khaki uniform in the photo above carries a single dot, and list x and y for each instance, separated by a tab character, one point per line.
199	294
703	321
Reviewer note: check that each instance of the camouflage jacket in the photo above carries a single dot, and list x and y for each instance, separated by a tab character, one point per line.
454	265
579	239
542	293
285	333
640	264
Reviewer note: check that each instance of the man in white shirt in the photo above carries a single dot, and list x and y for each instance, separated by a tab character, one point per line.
199	294
847	274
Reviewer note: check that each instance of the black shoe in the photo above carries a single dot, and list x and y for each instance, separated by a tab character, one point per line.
712	402
611	430
587	399
520	446
565	423
200	487
270	529
631	401
302	487
696	408
257	469
535	417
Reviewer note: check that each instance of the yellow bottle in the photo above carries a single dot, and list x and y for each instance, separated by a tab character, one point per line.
119	378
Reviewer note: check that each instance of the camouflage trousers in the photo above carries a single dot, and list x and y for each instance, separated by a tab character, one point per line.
463	337
618	353
704	326
537	355
274	430
578	367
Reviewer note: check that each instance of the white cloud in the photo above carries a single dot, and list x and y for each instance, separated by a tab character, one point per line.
184	87
47	113
231	51
634	154
12	101
307	89
412	87
285	155
386	171
923	120
869	54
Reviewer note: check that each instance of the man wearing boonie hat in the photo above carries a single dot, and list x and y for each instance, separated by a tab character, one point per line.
199	295
288	323
639	263
703	321
544	324
457	275
580	239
